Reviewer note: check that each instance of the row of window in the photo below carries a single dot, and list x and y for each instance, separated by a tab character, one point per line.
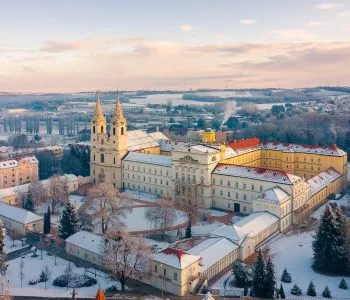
150	170
155	180
165	272
237	185
289	158
144	188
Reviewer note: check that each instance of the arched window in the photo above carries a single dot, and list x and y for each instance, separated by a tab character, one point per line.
102	128
113	130
122	131
93	129
102	158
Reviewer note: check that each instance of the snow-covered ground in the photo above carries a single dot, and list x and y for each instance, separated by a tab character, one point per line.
136	219
213	212
294	252
140	196
11	245
32	269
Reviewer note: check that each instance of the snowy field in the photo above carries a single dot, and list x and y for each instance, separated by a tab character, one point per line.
32	269
136	219
294	252
140	196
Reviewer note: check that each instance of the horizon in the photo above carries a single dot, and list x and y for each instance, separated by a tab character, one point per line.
83	46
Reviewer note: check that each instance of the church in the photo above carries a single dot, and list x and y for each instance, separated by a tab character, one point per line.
245	176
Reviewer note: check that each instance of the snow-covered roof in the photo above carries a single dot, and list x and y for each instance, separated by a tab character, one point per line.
212	250
275	194
187	147
256	173
255	223
11	163
175	258
331	150
139	139
17	214
88	241
230	232
322	179
158	136
166	145
154	159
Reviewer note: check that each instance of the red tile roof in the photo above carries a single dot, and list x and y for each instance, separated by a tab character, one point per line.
243	144
176	252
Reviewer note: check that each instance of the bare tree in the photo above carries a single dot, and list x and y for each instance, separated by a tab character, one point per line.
163	215
37	190
104	205
14	235
68	274
45	275
126	255
58	189
21	273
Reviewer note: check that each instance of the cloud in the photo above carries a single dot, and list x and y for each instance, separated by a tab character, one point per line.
248	21
315	23
343	14
327	5
62	46
296	35
185	27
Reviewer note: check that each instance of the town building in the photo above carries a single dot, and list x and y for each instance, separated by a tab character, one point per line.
20	220
243	176
15	172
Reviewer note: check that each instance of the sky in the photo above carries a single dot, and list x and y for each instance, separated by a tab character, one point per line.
84	45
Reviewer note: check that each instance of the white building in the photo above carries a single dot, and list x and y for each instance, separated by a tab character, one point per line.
20	220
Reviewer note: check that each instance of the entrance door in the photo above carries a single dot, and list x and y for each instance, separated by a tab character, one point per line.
237	207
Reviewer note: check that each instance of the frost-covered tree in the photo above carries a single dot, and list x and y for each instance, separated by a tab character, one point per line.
3	266
326	293
105	208
37	190
243	276
125	255
58	189
163	215
259	277
270	280
296	290
311	289
286	276
69	221
343	285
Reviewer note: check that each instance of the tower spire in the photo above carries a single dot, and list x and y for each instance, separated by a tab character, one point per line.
98	115
118	113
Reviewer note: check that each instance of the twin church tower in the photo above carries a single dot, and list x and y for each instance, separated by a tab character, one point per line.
107	149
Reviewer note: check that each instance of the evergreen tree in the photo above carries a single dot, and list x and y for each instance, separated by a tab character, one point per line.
43	277
341	234
281	292
259	276
29	204
243	277
188	233
47	221
343	285
270	280
286	276
327	246
311	289
69	221
296	290
326	293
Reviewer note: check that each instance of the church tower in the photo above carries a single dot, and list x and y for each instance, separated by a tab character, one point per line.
99	139
118	142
